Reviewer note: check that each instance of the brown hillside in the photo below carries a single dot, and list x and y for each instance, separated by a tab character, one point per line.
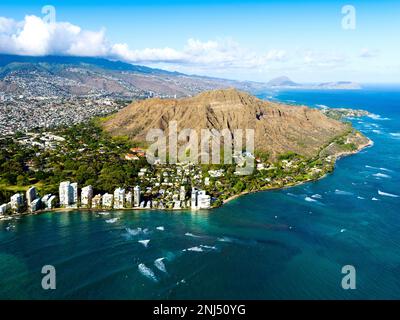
278	128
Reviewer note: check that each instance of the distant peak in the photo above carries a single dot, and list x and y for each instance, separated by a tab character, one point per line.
282	81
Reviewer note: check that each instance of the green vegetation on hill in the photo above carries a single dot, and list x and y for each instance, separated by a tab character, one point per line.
87	156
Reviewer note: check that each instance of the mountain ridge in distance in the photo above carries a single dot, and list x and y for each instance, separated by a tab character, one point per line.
69	76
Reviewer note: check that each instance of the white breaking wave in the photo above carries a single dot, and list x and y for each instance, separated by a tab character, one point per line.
113	220
161	228
147	272
377	131
103	213
160	264
208	247
134	232
377	117
194	249
381	175
374	199
188	234
387	194
395	134
225	239
343	193
144	242
376	168
308	199
316	196
361	198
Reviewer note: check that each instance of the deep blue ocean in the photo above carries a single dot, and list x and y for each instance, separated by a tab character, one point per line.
287	244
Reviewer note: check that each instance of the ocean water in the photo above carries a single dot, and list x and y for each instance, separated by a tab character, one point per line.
286	244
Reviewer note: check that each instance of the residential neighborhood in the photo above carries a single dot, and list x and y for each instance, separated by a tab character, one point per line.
167	188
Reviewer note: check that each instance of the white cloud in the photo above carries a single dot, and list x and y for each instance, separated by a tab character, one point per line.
212	54
122	51
33	36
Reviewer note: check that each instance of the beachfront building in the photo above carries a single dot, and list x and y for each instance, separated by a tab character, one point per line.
68	194
65	193
16	202
107	201
203	200
200	200
96	201
48	201
31	194
136	196
45	198
193	203
4	208
129	199
86	197
51	203
35	205
119	198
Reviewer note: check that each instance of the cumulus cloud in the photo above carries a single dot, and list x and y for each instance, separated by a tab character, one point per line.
222	53
36	37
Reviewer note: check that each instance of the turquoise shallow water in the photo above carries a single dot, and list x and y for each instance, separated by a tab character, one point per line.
269	245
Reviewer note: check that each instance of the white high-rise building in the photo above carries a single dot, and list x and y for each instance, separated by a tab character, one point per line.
51	203
203	200
4	208
193	202
119	198
16	202
46	198
31	194
107	201
136	196
86	197
200	200
64	193
68	194
35	205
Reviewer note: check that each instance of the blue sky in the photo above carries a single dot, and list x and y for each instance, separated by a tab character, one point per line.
252	40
